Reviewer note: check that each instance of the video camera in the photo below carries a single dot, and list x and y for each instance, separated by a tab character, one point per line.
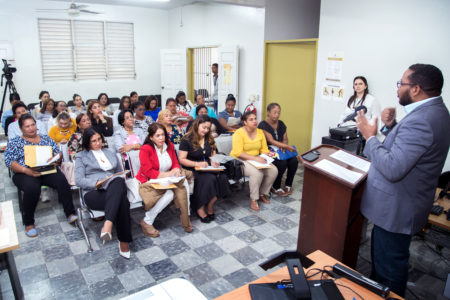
7	69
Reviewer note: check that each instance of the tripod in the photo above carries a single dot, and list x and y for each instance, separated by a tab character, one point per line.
9	85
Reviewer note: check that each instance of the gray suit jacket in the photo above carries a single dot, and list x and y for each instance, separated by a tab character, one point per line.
88	171
405	168
120	136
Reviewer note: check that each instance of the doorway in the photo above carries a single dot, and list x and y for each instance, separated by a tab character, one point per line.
289	80
200	81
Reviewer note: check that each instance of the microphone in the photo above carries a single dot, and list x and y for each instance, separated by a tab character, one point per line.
353	115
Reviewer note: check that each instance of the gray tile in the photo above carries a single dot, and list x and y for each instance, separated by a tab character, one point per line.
141	243
267	229
283	210
216	288
162	269
284	223
80	247
26	248
121	265
33	274
174	247
267	247
196	239
74	235
216	233
235	226
87	259
240	277
284	200
285	240
47	220
97	272
223	217
225	264
209	252
151	255
201	274
29	260
247	255
109	287
7	294
250	236
136	279
61	266
230	244
71	284
57	252
53	241
252	220
187	260
38	290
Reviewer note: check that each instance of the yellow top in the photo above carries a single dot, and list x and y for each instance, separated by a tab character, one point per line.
57	135
242	143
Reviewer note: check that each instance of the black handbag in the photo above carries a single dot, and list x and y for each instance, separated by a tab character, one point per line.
223	188
233	169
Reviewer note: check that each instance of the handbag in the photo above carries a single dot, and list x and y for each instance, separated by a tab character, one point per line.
68	169
223	188
286	154
233	169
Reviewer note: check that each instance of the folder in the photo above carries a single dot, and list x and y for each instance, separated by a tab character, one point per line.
37	156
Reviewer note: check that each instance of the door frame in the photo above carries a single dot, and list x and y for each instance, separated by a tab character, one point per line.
295	41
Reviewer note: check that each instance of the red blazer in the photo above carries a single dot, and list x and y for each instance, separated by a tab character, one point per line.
150	164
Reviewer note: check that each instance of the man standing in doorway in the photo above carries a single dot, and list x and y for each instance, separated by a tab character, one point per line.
215	71
404	171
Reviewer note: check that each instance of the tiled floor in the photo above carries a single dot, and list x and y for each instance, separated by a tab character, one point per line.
217	257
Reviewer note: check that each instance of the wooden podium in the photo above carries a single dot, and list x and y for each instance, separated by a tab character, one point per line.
330	219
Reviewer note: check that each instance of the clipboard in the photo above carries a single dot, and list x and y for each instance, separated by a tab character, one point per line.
158	186
209	169
37	156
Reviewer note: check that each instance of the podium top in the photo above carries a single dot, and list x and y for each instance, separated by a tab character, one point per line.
340	165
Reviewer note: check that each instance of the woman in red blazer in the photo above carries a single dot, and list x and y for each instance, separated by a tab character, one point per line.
159	160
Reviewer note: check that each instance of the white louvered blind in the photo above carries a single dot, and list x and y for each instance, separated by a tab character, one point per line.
86	50
55	38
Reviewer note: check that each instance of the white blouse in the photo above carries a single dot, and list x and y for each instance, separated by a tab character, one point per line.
102	160
373	109
165	162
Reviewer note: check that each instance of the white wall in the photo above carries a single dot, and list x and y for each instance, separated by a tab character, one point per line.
217	25
379	39
18	24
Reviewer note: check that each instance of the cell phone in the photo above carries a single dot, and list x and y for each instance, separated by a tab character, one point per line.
310	156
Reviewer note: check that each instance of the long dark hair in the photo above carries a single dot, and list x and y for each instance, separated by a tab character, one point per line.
247	114
149	100
366	91
151	132
55	111
89	107
193	136
180	94
87	134
45	103
107	98
197	109
123	100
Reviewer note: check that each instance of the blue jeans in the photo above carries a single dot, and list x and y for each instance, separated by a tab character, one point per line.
390	255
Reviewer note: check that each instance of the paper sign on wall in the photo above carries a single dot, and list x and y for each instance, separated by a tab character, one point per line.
332	91
334	66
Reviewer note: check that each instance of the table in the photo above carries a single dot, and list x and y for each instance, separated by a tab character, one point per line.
441	220
8	242
321	259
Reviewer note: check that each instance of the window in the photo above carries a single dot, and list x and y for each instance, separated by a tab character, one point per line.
83	50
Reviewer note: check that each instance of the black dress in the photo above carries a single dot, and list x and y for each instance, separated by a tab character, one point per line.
105	129
205	184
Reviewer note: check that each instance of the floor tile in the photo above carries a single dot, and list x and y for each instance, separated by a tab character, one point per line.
174	247
231	244
247	255
252	220
250	236
285	240
151	255
235	226
209	252
187	260
283	210
216	288
216	233
32	275
109	287
135	279
161	269
201	274
196	239
141	243
97	272
240	277
284	223
57	252
122	265
225	264
85	260
72	284
61	266
38	290
223	217
29	260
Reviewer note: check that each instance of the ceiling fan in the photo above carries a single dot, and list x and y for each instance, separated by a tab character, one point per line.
73	10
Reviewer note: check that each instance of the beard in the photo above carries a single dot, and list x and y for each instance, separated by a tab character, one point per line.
405	99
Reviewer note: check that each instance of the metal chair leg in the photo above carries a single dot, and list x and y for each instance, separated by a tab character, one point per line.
83	230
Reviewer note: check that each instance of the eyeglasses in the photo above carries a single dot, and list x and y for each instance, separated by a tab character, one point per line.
400	83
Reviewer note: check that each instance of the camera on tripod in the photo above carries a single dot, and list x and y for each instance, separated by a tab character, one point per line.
7	69
8	74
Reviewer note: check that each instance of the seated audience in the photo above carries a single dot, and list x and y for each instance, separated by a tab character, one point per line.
46	111
151	106
128	137
134	97
107	109
100	123
248	143
60	107
159	160
64	128
140	119
196	149
174	132
30	181
200	100
79	107
180	118
13	99
229	111
43	97
20	109
125	103
182	103
76	140
92	166
216	128
276	135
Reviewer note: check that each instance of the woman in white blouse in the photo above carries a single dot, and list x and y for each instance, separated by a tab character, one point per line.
92	167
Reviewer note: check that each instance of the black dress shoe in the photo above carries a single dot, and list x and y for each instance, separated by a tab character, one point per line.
211	217
205	219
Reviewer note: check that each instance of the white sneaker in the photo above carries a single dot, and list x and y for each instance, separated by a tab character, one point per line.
45	194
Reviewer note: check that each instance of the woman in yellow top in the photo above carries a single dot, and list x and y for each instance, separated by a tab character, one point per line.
248	143
64	128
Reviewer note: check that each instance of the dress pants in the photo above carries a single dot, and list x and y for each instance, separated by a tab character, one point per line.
31	187
115	203
260	180
390	255
291	165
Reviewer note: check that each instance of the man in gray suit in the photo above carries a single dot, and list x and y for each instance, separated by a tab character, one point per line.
404	172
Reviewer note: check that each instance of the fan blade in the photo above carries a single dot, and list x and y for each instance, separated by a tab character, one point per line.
51	10
89	12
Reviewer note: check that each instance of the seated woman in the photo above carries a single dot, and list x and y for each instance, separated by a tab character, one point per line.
180	118
182	103
128	137
196	148
79	107
63	129
140	119
248	143
76	139
60	107
134	97
199	100
30	181
229	111
158	160
276	135
125	103
46	111
107	109
43	97
19	109
216	128
151	106
93	165
100	123
174	132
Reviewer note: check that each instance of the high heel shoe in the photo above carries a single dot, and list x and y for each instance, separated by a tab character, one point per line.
205	219
126	255
211	217
105	236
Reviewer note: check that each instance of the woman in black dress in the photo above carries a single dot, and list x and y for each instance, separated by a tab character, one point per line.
276	135
196	149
